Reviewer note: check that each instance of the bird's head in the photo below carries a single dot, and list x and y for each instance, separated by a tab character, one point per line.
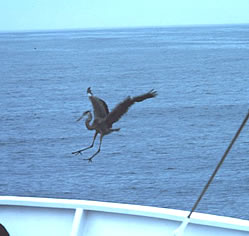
86	113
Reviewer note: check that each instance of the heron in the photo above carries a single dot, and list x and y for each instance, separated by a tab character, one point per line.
103	119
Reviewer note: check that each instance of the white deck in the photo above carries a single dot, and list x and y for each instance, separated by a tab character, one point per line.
26	216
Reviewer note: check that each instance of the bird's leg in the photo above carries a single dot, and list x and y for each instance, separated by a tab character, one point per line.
81	150
100	142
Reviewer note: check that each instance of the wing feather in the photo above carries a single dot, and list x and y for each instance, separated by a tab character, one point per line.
100	108
123	107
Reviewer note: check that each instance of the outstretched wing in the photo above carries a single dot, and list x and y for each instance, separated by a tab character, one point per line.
123	107
100	108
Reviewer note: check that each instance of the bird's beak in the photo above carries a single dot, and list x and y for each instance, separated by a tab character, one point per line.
80	117
83	114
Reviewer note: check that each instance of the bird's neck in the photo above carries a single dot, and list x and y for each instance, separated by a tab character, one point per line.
88	120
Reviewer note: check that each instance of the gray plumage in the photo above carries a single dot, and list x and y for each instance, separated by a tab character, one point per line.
103	119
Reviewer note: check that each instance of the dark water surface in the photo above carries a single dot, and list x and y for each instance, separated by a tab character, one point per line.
167	147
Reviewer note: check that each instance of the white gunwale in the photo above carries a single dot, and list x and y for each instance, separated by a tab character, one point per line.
127	209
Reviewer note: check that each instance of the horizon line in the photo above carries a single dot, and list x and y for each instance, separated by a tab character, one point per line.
119	27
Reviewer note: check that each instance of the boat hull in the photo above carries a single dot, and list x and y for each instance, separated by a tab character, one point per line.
44	216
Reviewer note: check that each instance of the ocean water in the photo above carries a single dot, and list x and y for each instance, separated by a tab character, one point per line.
167	147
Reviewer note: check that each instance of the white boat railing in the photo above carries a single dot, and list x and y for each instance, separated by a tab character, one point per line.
24	216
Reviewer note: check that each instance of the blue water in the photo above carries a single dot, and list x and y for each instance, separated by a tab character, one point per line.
167	147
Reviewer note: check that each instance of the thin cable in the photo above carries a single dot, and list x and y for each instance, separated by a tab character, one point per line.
219	164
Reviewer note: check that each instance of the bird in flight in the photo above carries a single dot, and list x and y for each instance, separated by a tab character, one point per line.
103	119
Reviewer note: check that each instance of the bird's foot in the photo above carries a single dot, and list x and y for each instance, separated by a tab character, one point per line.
77	152
88	159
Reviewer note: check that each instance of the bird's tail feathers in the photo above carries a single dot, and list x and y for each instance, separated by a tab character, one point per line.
117	129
